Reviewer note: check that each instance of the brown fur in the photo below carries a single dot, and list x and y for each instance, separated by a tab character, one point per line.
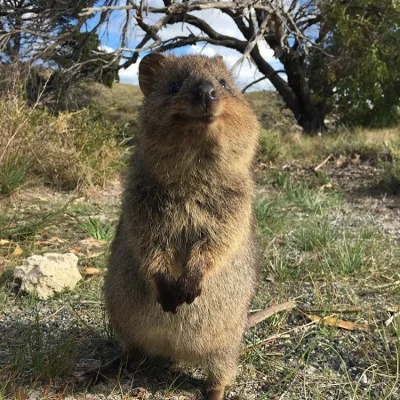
184	241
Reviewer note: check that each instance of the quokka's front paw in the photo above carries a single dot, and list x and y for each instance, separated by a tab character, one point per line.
167	292
188	287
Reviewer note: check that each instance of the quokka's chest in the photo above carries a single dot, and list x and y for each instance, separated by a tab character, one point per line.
191	206
199	207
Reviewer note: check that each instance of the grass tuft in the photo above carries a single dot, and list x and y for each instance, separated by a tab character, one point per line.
316	234
97	228
44	355
302	194
271	147
20	227
12	175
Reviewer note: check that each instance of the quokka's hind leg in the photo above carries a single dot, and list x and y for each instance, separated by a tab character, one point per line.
221	373
110	369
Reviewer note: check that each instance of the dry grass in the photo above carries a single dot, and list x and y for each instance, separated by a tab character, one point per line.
357	145
69	150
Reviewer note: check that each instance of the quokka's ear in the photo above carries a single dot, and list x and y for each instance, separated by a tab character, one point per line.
149	68
219	59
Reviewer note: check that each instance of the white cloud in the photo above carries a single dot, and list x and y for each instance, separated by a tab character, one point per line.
220	22
106	48
130	75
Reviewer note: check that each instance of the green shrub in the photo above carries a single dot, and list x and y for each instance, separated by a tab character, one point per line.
271	147
391	168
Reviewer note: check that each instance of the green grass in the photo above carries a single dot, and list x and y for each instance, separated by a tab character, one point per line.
97	228
12	174
302	194
269	216
316	234
44	355
301	229
391	168
348	255
20	227
391	176
271	147
350	146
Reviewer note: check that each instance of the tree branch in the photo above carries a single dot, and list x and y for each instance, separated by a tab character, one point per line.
176	8
281	71
182	41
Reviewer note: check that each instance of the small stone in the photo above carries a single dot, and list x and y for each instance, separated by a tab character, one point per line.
48	274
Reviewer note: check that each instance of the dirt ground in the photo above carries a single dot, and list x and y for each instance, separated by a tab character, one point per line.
46	345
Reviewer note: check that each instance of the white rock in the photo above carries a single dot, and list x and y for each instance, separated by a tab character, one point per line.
48	274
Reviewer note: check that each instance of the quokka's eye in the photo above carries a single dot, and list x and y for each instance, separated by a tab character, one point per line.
222	82
174	87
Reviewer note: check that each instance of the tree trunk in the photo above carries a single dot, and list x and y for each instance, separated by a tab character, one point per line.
309	115
295	92
312	123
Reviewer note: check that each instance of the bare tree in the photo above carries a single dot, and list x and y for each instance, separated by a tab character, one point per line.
51	36
291	28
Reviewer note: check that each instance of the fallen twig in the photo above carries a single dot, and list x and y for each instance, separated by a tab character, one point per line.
53	314
319	166
261	315
385	286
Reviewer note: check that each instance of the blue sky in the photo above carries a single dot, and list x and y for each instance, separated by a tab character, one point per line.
244	72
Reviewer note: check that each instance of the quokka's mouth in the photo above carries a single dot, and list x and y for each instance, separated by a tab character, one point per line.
199	118
207	118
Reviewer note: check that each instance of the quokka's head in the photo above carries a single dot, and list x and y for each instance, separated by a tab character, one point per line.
192	94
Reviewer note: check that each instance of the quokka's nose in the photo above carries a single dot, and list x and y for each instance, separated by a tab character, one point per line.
204	93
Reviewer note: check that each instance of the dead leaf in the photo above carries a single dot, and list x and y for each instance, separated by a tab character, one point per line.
4	241
327	186
17	251
392	308
75	251
342	161
91	271
333	321
390	320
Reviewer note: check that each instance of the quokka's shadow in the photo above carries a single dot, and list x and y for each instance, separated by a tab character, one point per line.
57	356
153	374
